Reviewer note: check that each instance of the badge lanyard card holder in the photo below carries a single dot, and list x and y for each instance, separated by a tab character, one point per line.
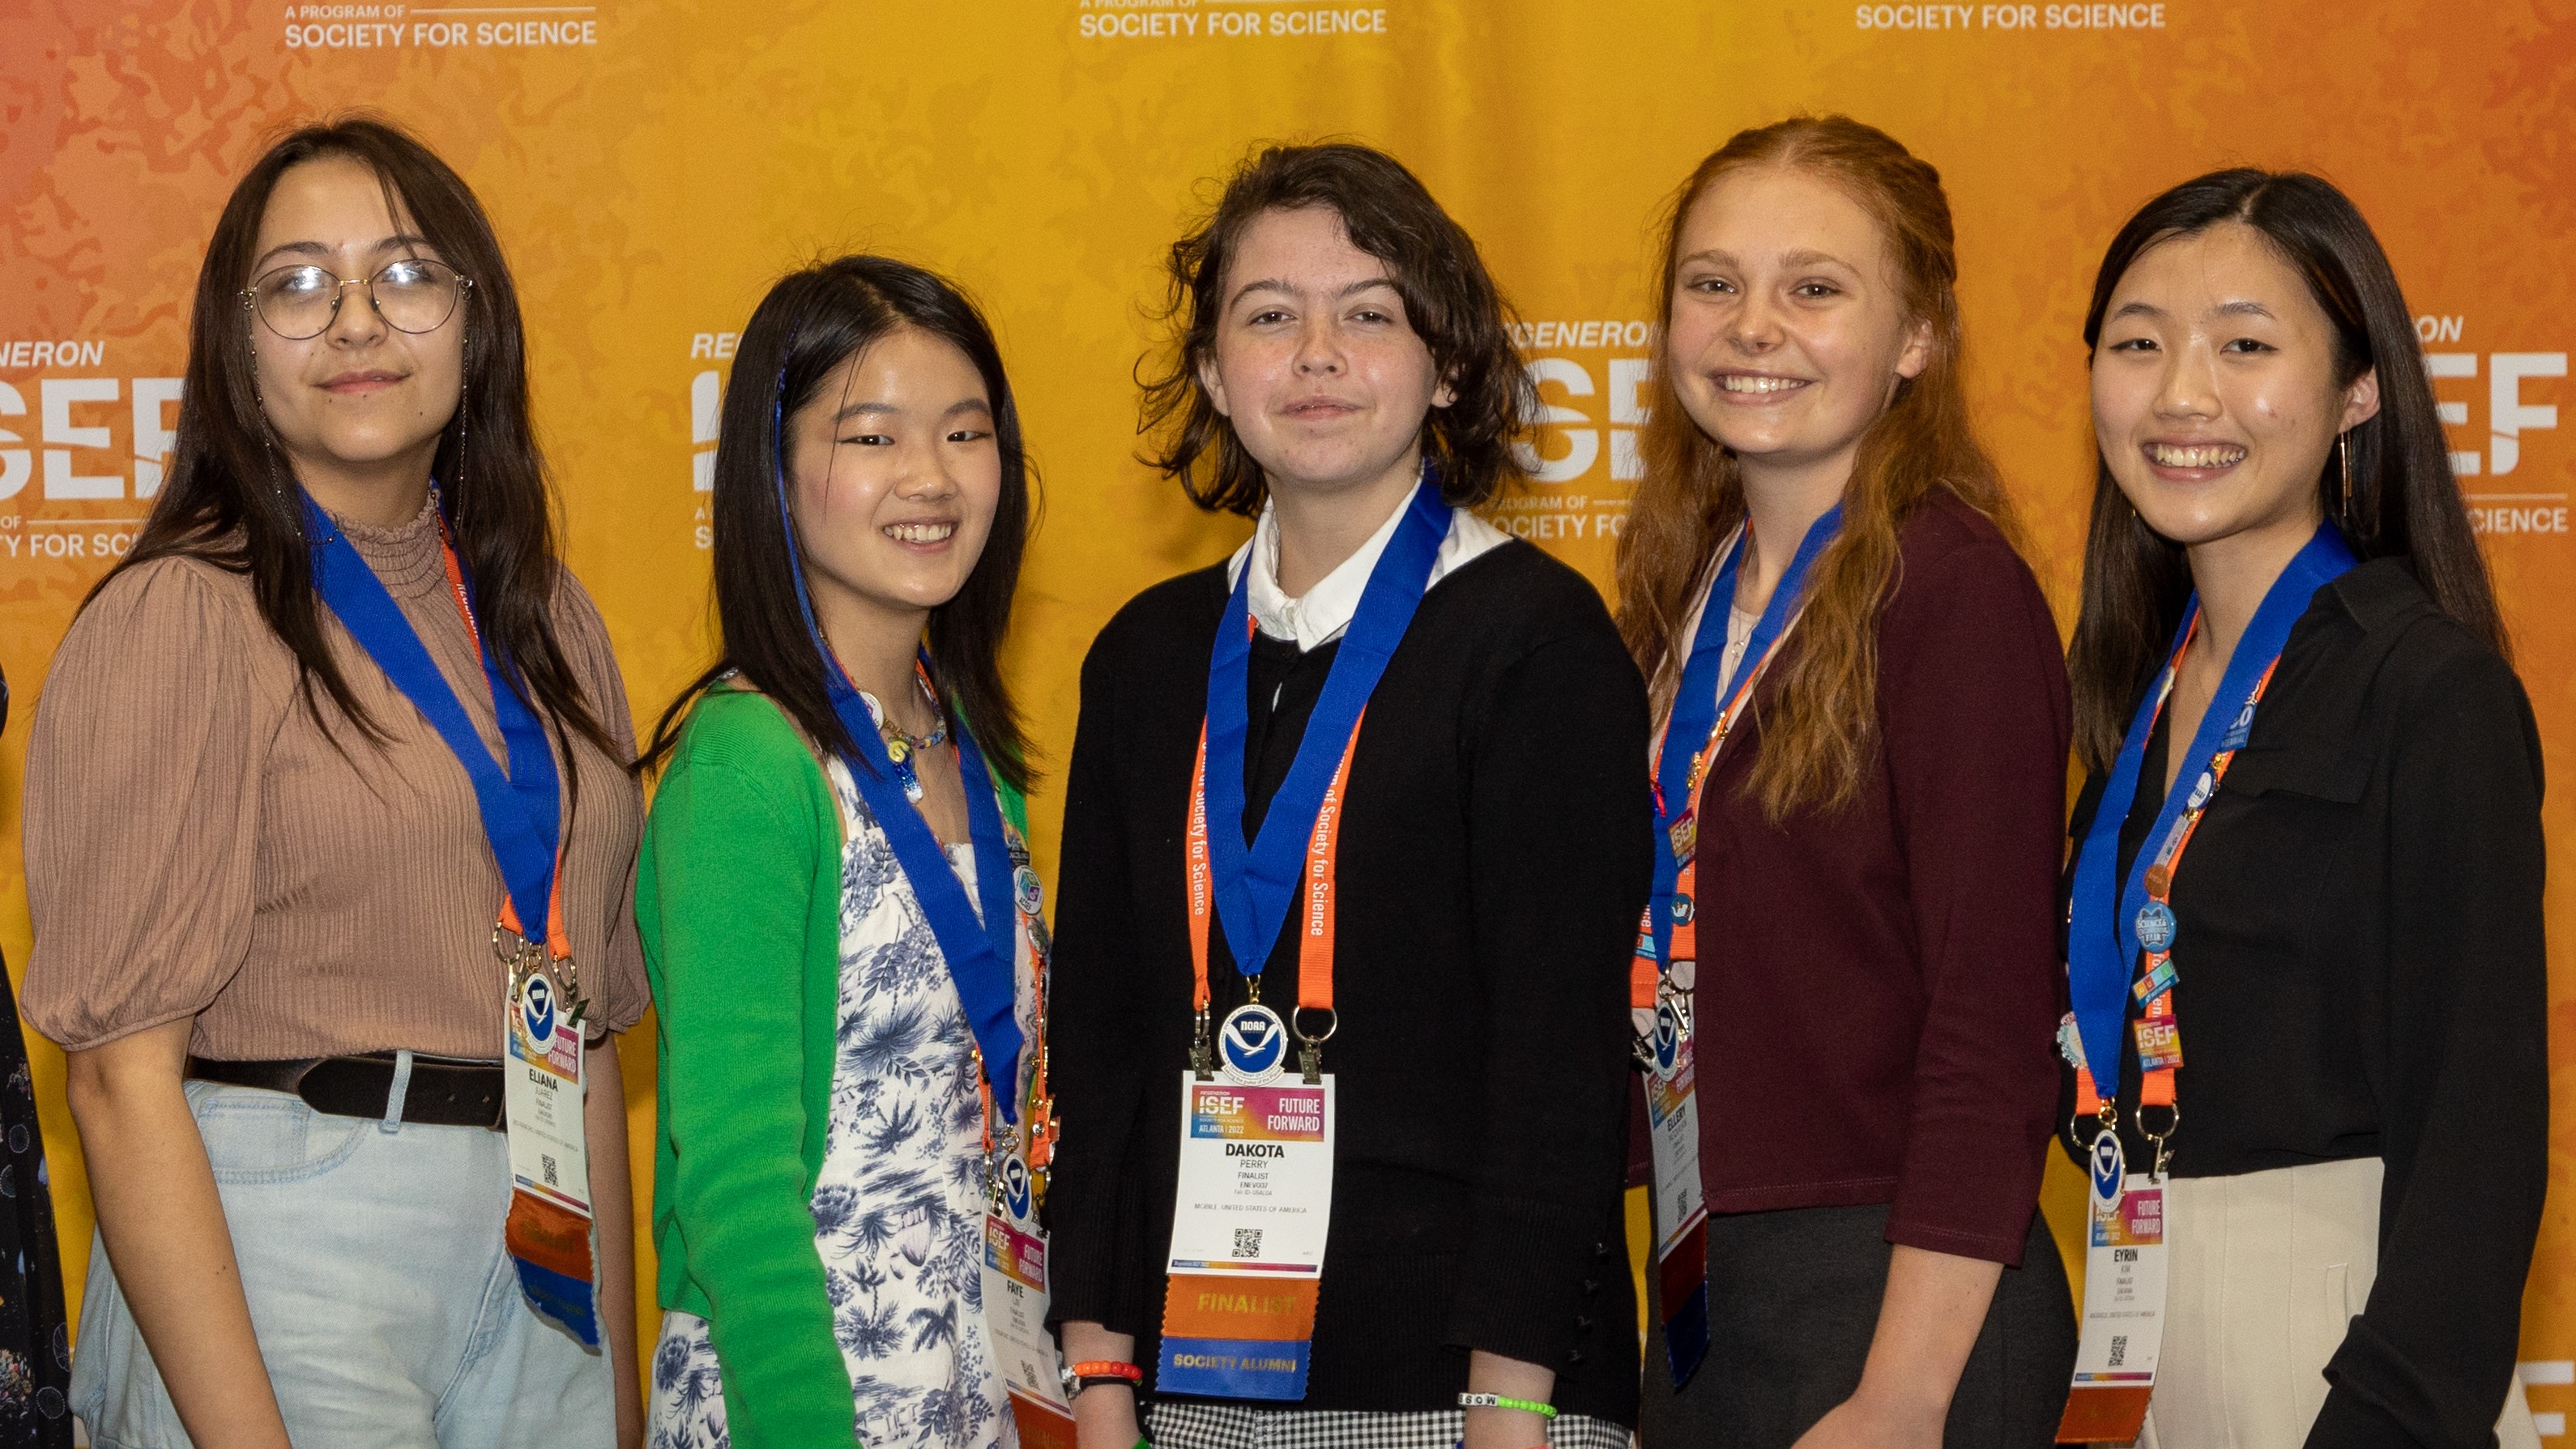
1254	1202
548	1229
1015	1245
1663	976
979	941
2112	923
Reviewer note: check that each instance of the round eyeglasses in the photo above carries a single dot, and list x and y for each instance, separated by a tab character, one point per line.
413	294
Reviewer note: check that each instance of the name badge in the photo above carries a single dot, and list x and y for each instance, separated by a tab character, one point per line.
2124	1303
548	1227
1015	1313
1249	1221
1681	1210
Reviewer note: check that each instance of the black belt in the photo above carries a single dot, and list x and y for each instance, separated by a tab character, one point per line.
444	1091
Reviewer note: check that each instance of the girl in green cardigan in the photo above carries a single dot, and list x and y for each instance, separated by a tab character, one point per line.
837	909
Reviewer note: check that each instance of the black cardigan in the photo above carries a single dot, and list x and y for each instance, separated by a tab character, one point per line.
2362	974
1494	862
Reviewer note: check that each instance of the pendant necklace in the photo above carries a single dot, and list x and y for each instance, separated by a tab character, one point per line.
902	747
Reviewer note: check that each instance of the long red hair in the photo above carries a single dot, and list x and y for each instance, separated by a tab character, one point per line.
1823	730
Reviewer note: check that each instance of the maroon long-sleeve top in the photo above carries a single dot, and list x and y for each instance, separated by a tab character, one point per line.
1879	986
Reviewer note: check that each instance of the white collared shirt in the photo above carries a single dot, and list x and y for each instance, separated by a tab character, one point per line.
1319	615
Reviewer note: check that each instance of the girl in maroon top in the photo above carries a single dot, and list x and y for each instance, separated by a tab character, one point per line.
1875	977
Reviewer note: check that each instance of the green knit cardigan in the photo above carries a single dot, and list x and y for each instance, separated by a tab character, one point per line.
738	897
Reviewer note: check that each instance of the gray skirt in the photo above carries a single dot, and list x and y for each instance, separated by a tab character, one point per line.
1793	1299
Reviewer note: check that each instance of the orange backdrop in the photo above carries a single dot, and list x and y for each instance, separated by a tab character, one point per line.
653	163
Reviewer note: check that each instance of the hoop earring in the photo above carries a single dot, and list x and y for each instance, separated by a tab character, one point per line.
2343	451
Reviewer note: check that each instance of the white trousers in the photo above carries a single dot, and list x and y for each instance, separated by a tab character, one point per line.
2264	1272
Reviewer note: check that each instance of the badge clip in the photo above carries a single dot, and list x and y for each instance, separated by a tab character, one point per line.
1310	1051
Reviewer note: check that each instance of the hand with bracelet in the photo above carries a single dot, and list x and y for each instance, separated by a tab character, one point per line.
1105	1415
1506	1403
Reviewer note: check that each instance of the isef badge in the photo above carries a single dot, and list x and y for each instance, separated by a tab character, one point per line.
1253	1044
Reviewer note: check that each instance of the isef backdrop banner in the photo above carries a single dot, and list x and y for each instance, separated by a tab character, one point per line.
652	164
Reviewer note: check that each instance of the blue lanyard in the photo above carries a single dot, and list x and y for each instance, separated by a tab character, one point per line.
1254	888
521	809
981	955
1695	702
2102	945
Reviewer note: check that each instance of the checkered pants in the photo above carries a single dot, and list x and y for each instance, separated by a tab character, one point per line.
1237	1426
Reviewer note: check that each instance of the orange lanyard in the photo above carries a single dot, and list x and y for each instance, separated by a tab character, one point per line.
1041	1130
1041	1133
2158	1034
1645	974
558	939
1316	936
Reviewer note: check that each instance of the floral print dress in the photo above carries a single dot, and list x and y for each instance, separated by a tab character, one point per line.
898	1206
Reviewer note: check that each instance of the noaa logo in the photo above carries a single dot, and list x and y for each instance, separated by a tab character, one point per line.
1015	1187
1668	1039
1253	1042
2110	1170
537	1009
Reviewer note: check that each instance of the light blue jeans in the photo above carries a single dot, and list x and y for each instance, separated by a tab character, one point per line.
386	1307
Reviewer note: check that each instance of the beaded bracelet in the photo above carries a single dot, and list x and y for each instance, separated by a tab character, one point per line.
1098	1373
1497	1401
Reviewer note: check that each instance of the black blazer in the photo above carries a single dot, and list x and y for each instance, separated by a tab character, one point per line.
2362	974
1494	863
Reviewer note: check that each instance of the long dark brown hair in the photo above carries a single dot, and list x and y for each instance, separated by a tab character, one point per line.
1824	727
2405	503
231	502
810	323
1449	300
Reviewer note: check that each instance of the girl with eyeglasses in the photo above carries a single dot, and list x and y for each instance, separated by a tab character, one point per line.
327	816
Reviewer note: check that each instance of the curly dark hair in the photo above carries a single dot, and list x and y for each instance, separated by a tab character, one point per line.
1449	299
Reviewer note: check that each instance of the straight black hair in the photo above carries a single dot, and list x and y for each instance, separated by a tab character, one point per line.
2404	501
230	502
810	323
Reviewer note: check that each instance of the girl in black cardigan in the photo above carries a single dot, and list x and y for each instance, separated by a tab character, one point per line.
1343	372
2345	954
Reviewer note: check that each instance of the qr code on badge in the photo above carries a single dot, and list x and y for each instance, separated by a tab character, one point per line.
550	1170
1247	1242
